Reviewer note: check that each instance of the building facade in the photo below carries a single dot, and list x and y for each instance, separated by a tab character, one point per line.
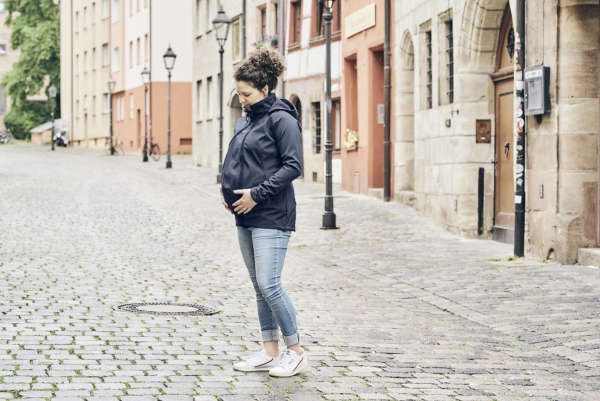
7	57
118	38
454	116
305	78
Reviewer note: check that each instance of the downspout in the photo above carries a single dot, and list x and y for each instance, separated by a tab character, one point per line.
150	68
243	29
71	123
387	182
520	128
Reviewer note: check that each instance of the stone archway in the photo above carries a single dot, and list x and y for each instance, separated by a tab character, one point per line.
405	135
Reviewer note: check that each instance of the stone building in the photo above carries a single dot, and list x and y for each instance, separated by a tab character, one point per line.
118	38
454	115
7	57
305	78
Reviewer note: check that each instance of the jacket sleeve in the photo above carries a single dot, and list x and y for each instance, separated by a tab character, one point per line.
288	138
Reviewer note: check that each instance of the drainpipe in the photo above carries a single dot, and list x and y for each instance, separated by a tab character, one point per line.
281	37
387	182
244	29
520	132
72	122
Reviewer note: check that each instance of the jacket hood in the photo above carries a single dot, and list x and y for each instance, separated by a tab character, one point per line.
270	104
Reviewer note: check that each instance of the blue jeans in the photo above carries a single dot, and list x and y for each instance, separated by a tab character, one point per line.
263	250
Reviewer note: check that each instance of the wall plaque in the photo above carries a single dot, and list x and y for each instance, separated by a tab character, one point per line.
359	20
483	131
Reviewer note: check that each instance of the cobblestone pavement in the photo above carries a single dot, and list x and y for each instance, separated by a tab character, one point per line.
390	306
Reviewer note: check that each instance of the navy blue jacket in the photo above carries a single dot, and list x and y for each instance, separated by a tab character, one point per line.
265	155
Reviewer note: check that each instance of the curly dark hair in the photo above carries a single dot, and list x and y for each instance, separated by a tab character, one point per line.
261	68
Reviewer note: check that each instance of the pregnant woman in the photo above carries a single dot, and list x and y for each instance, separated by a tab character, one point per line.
264	157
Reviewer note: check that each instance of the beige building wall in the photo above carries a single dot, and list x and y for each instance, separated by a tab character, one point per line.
7	57
84	70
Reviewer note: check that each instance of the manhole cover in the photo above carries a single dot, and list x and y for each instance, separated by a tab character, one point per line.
165	308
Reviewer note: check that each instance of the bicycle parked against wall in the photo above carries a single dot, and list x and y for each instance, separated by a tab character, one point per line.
117	145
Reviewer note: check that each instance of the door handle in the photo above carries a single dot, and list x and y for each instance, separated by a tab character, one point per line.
506	149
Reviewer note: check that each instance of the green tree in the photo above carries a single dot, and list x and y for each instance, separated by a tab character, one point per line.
35	28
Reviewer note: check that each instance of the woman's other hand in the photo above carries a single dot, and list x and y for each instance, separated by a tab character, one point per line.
225	203
245	204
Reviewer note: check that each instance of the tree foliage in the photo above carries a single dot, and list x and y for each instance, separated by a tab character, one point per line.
35	26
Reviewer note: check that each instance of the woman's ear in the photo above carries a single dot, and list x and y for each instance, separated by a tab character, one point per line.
265	91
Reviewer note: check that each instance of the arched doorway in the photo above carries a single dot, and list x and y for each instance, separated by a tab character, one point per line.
405	136
298	105
504	191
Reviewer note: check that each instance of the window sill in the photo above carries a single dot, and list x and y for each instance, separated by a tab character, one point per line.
293	47
199	121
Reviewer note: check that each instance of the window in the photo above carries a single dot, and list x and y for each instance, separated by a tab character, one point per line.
145	47
85	104
131	7
2	49
94	64
130	53
77	108
450	61
316	109
209	99
262	34
317	29
235	39
106	99
116	10
105	9
276	11
116	59
85	62
145	3
427	68
131	105
93	12
295	22
137	6
85	17
105	55
336	124
199	100
77	64
137	56
122	108
76	21
1	6
207	16
94	105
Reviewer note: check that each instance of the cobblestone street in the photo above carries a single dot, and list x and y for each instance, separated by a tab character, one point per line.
390	306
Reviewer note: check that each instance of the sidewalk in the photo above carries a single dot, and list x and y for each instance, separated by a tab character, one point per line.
390	306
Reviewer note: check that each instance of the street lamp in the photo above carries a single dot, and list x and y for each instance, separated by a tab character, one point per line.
145	80
169	59
221	25
52	93
111	88
329	215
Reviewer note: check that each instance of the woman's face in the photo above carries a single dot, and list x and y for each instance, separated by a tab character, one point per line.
249	94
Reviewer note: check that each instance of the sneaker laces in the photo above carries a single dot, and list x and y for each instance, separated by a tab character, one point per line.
288	358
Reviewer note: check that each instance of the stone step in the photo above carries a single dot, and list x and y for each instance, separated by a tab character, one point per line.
589	257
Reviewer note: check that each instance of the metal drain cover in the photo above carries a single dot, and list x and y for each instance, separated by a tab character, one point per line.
166	308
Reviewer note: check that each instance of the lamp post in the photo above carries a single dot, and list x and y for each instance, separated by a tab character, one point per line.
329	215
52	93
221	27
145	80
169	59
111	88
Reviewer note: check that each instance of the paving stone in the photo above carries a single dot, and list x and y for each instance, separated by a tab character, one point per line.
390	306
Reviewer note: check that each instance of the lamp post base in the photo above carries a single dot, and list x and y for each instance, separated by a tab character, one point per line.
329	221
169	164
145	158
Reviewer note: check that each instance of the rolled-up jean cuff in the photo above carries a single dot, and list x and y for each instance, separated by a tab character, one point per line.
291	340
270	335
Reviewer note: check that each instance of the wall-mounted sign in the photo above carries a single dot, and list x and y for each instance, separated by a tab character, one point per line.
537	90
381	114
359	20
483	131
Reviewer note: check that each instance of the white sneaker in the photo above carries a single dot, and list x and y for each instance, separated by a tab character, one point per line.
290	364
257	362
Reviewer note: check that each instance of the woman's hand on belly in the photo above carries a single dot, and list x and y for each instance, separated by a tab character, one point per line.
224	203
245	204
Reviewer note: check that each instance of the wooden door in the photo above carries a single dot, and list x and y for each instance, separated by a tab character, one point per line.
505	186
